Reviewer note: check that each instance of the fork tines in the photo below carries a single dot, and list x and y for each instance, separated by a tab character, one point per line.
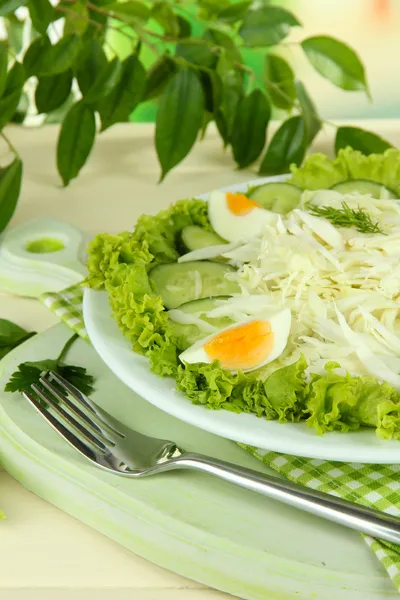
66	409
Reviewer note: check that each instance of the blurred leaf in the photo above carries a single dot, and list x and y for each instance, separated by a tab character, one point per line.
179	118
212	88
210	9
22	109
278	72
14	28
185	28
220	38
61	56
12	93
10	186
287	146
266	26
129	11
42	14
234	12
312	121
335	61
222	127
158	77
90	64
75	141
250	128
360	139
105	82
78	22
3	66
117	107
165	16
52	91
34	56
196	54
231	93
8	6
58	115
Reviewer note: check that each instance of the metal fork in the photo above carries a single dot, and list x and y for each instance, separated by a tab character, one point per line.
109	444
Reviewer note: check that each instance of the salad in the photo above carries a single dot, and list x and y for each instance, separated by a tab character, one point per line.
283	301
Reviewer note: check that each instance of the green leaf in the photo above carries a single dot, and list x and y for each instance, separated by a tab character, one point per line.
250	128
75	141
360	139
312	121
3	66
117	107
53	91
10	186
77	22
34	56
266	26
12	93
185	28
165	16
91	63
335	61
212	88
288	146
129	11
222	39
231	94
42	14
234	12
14	28
61	56
11	334
179	118
105	82
196	54
158	77
8	6
29	373
279	73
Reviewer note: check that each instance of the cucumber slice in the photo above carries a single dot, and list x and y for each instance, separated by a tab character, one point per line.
194	238
363	186
189	333
279	197
178	283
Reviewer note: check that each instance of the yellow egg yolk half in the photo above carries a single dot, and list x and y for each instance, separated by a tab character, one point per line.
239	204
243	347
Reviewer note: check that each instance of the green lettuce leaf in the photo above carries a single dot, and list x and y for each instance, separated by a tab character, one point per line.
280	396
336	402
120	265
321	172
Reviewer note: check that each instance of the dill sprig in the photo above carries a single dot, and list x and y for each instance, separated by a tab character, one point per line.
347	217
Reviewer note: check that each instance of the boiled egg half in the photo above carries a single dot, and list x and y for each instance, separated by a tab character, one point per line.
244	346
235	217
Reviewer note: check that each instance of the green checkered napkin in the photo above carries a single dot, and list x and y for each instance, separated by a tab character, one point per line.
377	486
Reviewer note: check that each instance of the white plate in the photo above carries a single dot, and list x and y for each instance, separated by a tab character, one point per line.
290	438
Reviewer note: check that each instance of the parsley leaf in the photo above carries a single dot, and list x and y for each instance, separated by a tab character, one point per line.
29	373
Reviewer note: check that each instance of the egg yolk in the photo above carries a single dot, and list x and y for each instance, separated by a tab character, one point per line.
243	347
239	204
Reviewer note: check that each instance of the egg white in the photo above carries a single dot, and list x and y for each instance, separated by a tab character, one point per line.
236	227
280	324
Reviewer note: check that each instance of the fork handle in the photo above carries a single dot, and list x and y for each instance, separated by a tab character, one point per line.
363	519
